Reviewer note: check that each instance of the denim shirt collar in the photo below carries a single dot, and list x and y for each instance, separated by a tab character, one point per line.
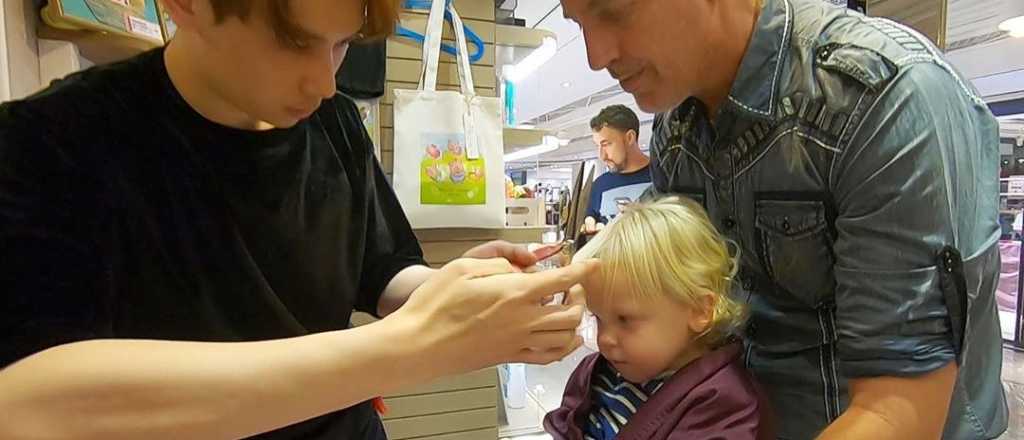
756	86
754	91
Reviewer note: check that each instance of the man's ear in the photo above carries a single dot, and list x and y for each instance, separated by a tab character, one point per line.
632	136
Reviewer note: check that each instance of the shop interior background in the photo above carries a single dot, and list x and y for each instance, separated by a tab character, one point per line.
556	93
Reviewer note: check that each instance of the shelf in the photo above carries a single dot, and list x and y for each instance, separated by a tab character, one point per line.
519	36
99	47
516	138
513	234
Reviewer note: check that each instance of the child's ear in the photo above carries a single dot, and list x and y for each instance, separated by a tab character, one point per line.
702	317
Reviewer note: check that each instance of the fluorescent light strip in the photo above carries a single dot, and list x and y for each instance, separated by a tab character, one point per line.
547	50
1015	26
549	144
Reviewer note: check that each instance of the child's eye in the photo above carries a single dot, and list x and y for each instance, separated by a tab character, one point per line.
296	43
623	319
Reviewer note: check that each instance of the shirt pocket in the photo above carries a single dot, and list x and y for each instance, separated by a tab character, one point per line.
795	248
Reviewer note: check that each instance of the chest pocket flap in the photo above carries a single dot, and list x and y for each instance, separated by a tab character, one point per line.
795	247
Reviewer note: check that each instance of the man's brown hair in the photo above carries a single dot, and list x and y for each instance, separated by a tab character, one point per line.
380	20
616	116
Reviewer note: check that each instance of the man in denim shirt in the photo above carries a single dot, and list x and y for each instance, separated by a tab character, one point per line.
857	171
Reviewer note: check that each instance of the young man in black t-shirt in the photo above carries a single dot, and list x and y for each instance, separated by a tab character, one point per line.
184	236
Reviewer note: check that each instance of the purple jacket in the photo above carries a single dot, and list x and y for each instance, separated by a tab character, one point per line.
713	398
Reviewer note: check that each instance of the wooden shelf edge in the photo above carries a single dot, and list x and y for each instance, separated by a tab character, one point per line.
507	35
523	137
98	47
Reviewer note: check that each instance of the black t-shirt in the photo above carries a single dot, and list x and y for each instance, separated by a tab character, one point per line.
126	214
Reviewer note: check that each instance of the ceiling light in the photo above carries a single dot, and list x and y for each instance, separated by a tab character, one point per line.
1014	26
567	84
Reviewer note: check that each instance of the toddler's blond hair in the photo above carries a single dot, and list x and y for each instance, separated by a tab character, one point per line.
669	247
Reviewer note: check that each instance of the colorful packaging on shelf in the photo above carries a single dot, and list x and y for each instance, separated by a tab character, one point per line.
132	18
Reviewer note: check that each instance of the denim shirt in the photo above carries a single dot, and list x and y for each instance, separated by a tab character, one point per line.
858	173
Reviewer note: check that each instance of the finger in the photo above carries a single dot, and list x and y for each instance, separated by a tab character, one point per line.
532	288
577	295
474	268
558	318
521	256
544	341
548	356
517	254
546	251
558	280
491	249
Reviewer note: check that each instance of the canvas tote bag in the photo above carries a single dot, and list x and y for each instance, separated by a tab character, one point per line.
449	168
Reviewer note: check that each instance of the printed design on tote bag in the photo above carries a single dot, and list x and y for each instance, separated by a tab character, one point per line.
447	176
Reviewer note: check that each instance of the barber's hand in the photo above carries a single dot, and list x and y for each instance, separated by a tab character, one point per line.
480	313
591	226
576	296
518	255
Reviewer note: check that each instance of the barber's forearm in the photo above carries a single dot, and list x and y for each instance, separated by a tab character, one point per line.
858	423
894	408
133	389
400	287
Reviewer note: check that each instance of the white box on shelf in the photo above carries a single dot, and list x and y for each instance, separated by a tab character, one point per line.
525	212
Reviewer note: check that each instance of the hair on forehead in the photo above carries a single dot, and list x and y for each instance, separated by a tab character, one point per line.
380	16
668	248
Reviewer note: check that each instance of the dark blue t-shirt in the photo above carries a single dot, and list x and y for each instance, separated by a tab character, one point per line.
610	190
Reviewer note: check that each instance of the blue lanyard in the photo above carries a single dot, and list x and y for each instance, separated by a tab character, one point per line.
471	37
424	4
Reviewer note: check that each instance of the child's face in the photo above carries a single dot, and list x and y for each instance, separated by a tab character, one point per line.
643	337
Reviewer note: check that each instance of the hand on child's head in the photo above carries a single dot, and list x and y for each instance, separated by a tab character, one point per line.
595	280
577	296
